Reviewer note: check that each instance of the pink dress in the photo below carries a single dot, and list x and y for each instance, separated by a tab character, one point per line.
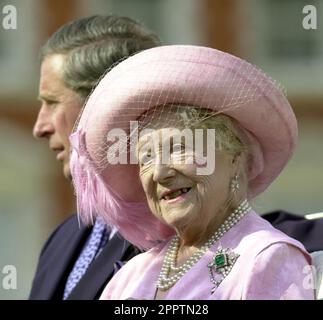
270	266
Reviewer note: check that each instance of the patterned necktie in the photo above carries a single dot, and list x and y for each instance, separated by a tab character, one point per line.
96	242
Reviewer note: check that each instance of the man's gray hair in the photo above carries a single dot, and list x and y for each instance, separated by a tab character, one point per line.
93	44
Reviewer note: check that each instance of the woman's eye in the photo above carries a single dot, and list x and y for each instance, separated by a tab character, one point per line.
178	148
145	158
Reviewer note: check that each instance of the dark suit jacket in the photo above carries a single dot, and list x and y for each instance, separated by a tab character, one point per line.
59	254
308	232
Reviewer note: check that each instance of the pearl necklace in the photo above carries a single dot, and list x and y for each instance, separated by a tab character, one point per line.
164	280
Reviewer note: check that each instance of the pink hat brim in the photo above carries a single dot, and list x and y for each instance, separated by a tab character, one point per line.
173	74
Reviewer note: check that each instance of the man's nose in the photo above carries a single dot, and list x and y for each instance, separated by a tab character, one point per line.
43	126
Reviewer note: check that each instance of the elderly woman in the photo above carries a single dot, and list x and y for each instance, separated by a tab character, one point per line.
170	147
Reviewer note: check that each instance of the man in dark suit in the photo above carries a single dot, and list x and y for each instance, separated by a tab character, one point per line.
308	230
77	261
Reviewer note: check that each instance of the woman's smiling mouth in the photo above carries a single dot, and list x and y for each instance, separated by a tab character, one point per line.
175	193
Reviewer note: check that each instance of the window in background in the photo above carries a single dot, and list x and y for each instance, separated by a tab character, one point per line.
175	21
270	34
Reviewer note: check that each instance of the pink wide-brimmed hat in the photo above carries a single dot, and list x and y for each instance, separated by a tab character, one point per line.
174	75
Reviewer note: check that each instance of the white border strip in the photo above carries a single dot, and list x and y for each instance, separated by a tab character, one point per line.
314	216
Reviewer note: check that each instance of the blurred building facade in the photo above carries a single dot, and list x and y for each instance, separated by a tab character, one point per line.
34	196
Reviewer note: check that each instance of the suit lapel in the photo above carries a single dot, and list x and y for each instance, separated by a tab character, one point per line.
62	260
100	271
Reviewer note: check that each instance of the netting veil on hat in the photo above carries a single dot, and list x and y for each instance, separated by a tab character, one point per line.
148	83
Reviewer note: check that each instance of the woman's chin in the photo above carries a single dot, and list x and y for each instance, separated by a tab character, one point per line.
177	219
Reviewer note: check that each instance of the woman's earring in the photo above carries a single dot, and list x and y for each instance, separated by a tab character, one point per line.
235	184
